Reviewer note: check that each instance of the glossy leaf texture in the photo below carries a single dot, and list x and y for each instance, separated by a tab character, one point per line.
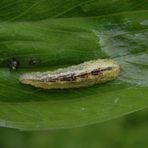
57	33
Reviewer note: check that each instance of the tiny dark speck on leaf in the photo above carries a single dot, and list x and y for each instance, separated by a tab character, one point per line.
33	62
13	64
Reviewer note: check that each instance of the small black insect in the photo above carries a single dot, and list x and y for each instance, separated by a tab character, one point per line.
33	61
13	64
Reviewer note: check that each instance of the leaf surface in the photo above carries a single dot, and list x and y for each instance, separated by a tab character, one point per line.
60	33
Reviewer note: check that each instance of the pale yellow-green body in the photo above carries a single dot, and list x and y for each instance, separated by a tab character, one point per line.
86	74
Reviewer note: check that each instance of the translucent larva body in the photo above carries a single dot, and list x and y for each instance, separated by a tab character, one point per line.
82	75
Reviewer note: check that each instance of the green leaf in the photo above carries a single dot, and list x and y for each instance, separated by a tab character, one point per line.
57	33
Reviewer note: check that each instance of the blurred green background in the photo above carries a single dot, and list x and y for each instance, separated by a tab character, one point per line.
129	131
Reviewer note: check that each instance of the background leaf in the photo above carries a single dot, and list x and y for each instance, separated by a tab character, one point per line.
59	33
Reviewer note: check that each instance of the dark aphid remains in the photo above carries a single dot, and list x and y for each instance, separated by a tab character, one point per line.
33	62
13	64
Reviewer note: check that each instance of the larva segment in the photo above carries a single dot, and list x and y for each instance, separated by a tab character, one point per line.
82	75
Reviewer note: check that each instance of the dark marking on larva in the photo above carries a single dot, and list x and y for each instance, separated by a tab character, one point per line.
106	69
67	79
52	80
63	78
70	77
96	72
49	80
83	75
